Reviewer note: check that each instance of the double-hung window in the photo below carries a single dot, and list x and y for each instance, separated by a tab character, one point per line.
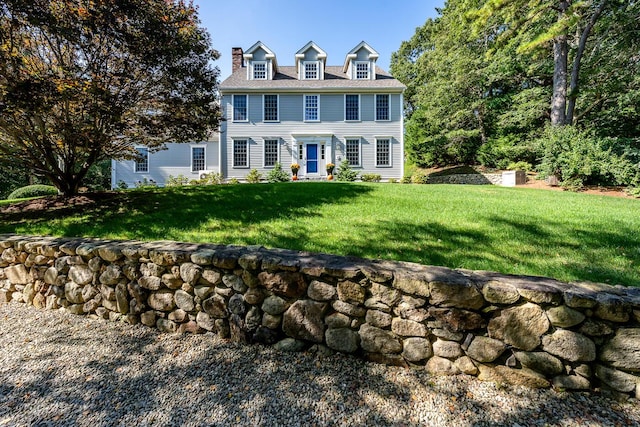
197	159
142	160
352	107
311	70
259	71
362	70
382	107
240	108
383	152
311	108
270	152
240	153
270	108
352	151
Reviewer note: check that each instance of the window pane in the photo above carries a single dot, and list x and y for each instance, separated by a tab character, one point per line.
271	108
240	153
383	152
197	159
311	70
240	107
311	108
352	110
259	71
353	151
382	107
362	70
142	162
270	152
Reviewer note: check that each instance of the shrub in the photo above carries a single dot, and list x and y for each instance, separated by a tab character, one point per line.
277	174
234	181
122	185
393	181
254	176
345	173
580	158
177	181
520	166
420	177
212	178
501	151
370	177
146	183
35	190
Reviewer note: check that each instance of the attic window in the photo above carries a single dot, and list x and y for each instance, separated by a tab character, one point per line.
259	70
311	70
362	71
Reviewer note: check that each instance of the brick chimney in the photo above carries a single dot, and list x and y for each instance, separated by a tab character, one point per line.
237	61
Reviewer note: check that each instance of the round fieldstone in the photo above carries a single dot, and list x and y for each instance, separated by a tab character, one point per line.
290	345
485	349
447	349
520	326
540	361
376	340
234	282
416	349
408	328
161	300
205	321
351	292
321	291
73	293
305	320
274	305
343	339
184	300
80	274
500	293
623	350
441	366
570	346
378	318
564	317
237	305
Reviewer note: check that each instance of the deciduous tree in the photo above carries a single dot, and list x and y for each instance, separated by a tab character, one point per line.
87	80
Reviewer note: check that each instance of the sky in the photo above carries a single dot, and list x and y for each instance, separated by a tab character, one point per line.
336	26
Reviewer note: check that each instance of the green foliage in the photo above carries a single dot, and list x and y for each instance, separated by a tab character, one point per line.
175	181
393	181
103	79
370	177
277	174
580	158
98	177
520	166
35	190
234	181
122	185
211	178
501	151
345	172
420	177
253	177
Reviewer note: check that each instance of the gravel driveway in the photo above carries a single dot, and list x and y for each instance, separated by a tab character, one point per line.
61	369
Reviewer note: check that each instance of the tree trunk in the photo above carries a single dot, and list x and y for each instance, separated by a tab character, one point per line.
575	72
560	53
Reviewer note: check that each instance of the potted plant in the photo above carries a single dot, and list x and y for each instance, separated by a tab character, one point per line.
294	170
330	167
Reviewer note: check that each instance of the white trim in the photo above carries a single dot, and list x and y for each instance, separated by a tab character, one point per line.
304	108
204	148
359	119
390	140
233	152
114	174
359	138
264	151
375	107
277	106
233	108
135	162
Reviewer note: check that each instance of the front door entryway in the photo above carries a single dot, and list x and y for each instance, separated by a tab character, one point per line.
312	158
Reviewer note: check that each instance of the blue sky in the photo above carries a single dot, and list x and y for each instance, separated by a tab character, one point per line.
337	26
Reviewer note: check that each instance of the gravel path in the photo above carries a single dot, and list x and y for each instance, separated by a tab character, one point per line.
61	369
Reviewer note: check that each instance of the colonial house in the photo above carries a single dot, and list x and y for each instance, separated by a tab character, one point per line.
310	113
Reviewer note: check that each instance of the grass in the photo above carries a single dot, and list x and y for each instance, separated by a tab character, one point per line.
564	235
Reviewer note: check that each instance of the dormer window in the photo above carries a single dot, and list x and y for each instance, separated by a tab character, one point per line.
259	70
311	70
362	70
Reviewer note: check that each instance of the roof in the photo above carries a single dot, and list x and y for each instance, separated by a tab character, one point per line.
286	79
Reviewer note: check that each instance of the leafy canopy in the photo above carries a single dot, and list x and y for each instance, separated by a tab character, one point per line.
87	80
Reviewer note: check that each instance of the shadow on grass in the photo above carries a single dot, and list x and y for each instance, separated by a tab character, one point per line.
143	378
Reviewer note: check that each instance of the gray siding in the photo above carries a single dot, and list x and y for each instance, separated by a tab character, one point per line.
331	131
176	160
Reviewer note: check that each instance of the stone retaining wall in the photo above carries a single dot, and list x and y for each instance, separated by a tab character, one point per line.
472	178
510	329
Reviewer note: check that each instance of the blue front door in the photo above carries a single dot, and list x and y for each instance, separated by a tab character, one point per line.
312	158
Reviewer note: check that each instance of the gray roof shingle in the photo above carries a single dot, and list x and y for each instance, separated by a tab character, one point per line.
286	80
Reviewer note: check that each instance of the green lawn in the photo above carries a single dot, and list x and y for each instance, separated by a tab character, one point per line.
559	234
